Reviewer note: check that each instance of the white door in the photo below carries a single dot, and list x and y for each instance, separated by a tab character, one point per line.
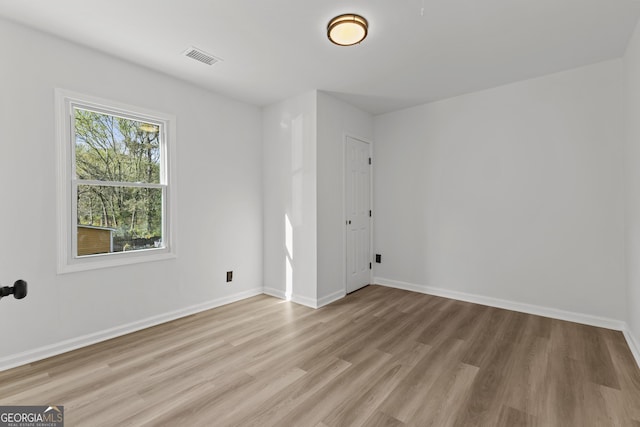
358	219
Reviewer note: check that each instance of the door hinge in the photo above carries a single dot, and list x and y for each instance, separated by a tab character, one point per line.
369	160
369	212
369	266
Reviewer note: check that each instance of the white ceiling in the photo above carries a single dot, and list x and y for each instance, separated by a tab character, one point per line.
274	49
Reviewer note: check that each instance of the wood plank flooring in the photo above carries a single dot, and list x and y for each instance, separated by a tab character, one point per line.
379	357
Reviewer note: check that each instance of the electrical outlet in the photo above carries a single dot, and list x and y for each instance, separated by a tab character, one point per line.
229	276
378	258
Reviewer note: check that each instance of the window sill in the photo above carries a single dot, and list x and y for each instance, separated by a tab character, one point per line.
95	262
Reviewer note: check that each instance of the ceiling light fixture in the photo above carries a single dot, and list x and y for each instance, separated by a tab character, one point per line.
347	29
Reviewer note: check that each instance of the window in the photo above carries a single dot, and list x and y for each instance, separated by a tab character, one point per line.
114	183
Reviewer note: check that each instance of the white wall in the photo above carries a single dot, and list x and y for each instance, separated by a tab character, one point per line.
303	175
514	193
219	189
336	119
632	92
289	192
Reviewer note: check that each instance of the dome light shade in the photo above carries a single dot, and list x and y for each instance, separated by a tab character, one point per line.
347	29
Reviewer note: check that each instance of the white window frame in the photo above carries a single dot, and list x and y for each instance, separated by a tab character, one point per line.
68	260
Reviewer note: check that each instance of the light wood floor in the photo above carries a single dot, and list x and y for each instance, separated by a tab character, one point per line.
380	357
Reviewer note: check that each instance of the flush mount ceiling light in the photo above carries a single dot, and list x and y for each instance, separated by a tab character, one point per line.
347	29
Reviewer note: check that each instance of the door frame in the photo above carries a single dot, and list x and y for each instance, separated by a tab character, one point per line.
369	142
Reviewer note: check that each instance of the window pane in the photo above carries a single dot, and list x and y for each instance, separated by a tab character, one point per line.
109	148
117	219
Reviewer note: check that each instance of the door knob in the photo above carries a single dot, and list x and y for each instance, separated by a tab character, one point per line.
19	290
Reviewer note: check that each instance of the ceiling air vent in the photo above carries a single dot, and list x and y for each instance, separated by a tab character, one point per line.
199	55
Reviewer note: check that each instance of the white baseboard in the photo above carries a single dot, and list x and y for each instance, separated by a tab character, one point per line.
554	313
274	292
308	302
634	344
44	352
326	300
40	353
